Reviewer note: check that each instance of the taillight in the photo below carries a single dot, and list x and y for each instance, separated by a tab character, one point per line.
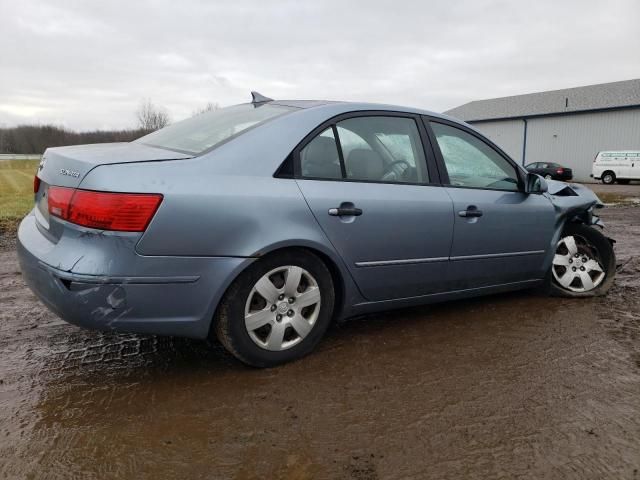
123	212
59	200
36	184
559	171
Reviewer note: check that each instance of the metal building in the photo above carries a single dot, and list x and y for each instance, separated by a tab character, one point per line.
567	126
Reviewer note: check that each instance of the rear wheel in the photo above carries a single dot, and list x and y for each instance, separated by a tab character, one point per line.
608	177
584	263
277	310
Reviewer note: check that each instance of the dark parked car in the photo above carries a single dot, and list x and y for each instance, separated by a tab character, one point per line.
550	171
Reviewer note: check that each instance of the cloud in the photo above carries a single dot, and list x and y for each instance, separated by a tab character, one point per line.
88	64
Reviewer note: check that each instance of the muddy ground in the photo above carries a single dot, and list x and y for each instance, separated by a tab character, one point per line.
509	386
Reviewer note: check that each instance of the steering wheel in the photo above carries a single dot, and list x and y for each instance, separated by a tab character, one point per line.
389	170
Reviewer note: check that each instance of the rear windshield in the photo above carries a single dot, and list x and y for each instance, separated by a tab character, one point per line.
203	132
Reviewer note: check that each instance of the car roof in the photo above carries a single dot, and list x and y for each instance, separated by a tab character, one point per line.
356	106
239	154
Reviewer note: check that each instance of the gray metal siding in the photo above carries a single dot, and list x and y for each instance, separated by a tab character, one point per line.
507	134
572	140
575	140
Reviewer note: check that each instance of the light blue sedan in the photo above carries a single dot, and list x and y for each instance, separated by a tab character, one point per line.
261	223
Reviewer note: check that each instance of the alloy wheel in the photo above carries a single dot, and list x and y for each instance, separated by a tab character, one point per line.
282	308
576	265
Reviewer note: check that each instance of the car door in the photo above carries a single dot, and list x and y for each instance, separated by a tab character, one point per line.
501	234
532	167
373	191
542	169
634	171
630	167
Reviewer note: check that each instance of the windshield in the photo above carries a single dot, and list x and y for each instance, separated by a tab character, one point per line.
203	132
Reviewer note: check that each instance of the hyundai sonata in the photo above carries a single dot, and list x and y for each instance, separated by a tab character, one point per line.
261	223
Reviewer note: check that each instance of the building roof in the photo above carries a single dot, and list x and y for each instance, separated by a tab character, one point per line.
569	100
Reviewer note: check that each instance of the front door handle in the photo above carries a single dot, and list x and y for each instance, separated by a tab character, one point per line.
345	212
470	212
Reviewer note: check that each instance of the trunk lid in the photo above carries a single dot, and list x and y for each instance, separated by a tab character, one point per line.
67	166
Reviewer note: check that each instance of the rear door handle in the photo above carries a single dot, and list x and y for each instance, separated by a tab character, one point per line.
345	212
470	212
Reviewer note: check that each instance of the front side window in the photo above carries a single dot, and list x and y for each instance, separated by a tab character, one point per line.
470	162
374	149
203	132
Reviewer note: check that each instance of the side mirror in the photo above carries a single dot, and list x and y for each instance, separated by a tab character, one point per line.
535	184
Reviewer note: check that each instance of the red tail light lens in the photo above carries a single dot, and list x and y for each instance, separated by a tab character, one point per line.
36	184
59	200
123	212
559	171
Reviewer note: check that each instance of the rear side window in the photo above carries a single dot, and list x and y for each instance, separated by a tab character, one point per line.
320	158
203	132
470	162
374	149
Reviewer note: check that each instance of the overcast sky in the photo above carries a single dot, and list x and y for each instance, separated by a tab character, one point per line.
88	64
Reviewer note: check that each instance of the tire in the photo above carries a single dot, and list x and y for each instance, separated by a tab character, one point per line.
548	177
608	177
590	245
282	336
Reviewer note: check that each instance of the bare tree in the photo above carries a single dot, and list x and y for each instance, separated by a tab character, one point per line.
151	117
209	107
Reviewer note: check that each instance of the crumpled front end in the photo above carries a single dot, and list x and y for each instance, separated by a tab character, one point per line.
574	202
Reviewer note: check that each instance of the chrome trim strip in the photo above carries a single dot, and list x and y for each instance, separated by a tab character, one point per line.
410	261
407	261
497	255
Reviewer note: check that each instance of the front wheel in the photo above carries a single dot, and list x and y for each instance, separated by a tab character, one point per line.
277	310
584	264
548	177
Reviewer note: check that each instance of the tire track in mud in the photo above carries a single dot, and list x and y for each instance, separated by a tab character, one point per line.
511	386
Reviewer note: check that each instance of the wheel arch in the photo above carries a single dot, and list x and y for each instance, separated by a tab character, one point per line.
344	286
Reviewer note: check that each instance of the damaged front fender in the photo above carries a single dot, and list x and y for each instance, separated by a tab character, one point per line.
574	203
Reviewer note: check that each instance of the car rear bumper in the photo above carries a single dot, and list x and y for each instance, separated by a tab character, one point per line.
170	296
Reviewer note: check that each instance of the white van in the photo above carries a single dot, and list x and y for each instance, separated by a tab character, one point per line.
620	166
